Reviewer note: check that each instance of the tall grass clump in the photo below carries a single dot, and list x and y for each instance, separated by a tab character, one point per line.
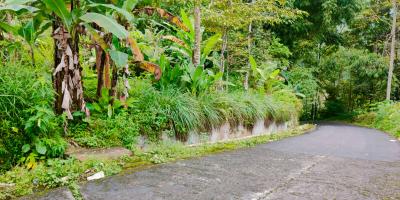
169	110
238	107
287	105
182	109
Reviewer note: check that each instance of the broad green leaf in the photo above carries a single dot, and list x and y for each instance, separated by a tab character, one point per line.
17	7
26	148
253	63
197	73
119	58
129	5
123	12
9	29
60	9
274	74
107	23
41	148
210	44
186	21
27	32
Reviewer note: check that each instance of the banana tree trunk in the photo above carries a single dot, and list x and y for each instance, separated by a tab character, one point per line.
197	37
392	51
100	62
114	81
67	76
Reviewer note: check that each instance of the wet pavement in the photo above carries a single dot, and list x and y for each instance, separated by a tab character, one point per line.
333	162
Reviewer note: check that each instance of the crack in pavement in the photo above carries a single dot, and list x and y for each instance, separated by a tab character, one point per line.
292	176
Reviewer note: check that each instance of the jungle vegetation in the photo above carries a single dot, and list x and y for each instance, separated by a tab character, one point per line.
104	73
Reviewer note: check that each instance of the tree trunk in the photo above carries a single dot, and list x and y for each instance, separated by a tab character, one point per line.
100	62
392	51
223	50
107	80
114	81
67	78
32	54
249	46
197	37
223	58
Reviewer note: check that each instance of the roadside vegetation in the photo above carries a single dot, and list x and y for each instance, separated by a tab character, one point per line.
384	116
99	74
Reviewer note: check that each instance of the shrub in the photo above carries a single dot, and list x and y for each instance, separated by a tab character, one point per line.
26	119
385	116
120	130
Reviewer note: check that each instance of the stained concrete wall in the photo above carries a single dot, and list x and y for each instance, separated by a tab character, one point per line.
228	132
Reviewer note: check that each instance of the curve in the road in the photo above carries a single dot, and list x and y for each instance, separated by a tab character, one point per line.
343	141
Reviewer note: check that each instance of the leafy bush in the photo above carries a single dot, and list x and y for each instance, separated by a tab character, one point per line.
120	130
353	78
26	117
384	116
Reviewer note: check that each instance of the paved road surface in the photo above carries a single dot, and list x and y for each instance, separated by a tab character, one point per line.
333	162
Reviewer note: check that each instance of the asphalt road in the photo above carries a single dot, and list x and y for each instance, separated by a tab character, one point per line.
333	162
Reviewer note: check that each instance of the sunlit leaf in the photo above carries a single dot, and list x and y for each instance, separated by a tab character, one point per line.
60	9
107	23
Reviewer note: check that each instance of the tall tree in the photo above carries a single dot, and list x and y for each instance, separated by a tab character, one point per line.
197	29
250	43
392	51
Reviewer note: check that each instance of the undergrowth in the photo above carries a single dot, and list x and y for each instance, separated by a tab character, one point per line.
384	116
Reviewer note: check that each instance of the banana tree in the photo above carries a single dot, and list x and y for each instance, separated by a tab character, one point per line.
113	51
28	31
264	77
121	48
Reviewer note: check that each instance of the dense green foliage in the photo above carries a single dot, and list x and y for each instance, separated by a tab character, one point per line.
119	73
384	116
171	111
28	125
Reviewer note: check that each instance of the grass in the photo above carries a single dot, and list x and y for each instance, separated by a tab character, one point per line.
56	172
152	112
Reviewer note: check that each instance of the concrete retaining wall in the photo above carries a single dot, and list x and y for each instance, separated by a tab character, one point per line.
229	132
